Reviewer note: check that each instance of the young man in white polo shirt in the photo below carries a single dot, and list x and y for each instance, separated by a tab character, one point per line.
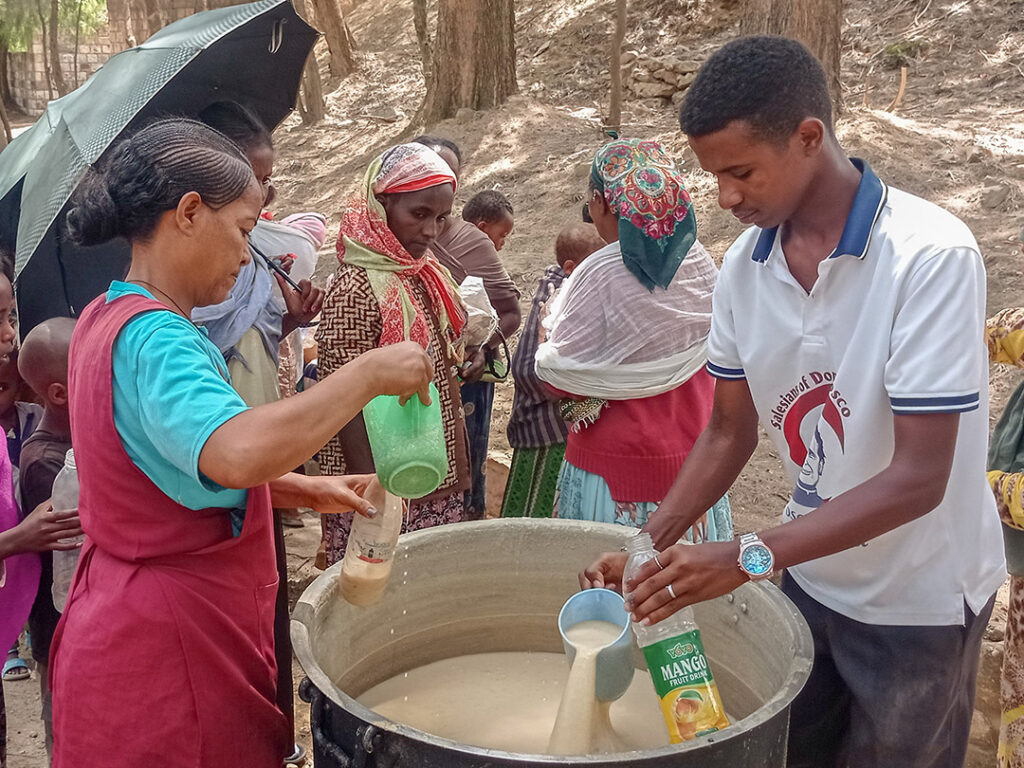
848	322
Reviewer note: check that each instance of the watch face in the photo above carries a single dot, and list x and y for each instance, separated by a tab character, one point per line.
756	560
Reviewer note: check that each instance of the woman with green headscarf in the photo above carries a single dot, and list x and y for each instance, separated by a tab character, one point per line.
627	343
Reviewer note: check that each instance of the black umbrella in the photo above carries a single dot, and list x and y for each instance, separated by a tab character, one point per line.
253	54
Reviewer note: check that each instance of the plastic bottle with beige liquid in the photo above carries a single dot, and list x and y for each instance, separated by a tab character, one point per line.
370	552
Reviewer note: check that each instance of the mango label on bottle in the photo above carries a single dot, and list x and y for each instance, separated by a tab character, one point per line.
682	678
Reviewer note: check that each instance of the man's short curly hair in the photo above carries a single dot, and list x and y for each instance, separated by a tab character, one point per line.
770	82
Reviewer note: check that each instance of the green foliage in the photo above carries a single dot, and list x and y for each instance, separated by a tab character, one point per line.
19	19
17	22
94	15
901	53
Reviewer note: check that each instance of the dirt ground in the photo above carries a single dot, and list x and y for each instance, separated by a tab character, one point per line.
956	138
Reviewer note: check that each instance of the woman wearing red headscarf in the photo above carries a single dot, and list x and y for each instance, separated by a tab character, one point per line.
389	288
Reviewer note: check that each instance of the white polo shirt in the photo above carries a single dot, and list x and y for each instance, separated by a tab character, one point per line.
893	325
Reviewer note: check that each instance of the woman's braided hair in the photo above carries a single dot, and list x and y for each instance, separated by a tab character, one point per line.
148	173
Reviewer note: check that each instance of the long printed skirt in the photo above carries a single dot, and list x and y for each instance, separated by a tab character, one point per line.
585	496
533	481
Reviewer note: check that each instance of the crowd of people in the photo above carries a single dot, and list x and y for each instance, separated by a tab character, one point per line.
846	322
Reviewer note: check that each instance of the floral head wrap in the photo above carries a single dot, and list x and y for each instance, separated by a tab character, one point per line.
366	241
656	222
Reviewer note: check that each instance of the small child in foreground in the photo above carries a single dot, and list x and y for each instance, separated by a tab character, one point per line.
44	366
536	430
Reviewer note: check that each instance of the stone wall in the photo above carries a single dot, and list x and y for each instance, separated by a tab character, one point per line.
27	71
29	87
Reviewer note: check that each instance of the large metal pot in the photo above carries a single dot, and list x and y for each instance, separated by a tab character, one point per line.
497	585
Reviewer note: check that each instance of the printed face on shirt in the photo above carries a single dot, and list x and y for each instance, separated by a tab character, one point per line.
761	182
498	230
7	331
417	218
224	233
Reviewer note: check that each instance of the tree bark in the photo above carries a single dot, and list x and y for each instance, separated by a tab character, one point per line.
419	21
311	94
120	23
46	49
615	107
474	61
5	83
6	135
58	72
338	36
78	38
817	24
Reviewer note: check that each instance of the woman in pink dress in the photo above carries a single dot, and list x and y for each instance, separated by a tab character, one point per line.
165	650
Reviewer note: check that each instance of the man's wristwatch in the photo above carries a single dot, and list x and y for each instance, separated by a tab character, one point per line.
756	560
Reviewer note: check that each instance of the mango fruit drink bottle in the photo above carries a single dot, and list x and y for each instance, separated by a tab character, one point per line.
675	658
370	551
64	498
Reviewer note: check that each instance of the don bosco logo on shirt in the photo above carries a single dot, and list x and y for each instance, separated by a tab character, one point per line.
810	416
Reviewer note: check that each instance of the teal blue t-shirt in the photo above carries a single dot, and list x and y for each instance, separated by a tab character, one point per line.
171	391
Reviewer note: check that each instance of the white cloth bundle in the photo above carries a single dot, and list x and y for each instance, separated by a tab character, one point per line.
481	317
611	338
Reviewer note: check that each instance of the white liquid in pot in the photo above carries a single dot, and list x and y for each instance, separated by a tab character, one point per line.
510	701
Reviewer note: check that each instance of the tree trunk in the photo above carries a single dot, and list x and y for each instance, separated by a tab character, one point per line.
818	24
58	73
46	49
311	94
474	61
78	38
338	36
5	82
419	21
615	107
6	135
118	17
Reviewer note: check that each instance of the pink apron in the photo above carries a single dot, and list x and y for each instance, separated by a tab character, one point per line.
164	655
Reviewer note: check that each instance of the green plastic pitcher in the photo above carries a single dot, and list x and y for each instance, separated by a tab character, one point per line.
407	442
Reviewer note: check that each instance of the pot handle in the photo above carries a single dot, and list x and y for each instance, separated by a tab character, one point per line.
367	737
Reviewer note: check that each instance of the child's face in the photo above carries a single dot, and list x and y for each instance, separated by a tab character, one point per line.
761	182
498	230
10	384
7	331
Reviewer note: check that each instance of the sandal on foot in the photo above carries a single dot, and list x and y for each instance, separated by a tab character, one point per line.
15	669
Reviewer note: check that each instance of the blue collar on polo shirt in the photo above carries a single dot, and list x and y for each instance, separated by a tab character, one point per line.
867	206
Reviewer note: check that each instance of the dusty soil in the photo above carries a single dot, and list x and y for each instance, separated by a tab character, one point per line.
956	138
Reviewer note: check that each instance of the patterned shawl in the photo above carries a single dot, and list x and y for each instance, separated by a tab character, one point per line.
656	222
366	241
